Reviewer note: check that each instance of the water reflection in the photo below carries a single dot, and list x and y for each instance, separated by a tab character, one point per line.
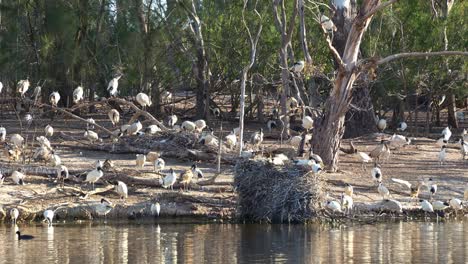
225	243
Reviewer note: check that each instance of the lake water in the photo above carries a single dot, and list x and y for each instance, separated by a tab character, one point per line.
150	242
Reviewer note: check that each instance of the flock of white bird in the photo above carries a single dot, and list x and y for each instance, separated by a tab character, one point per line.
382	152
44	152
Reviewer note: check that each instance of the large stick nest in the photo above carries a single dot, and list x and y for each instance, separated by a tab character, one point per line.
277	193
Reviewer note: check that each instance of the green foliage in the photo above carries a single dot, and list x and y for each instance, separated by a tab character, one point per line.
77	42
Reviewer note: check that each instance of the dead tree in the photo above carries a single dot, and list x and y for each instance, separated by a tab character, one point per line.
286	35
245	71
201	68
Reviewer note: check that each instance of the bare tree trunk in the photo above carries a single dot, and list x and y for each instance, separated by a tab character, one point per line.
286	34
452	119
245	71
201	69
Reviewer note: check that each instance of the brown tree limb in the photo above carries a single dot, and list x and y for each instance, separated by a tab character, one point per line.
420	54
376	9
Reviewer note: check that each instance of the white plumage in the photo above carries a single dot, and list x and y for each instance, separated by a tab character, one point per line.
49	131
114	116
456	204
1	87
376	174
134	128
18	177
398	141
54	98
166	96
155	209
334	206
2	134
171	120
14	214
197	171
49	216
94	175
113	86
346	203
91	135
257	138
169	180
402	126
140	160
426	206
446	133
78	94
144	100
463	148
201	124
90	123
159	165
327	23
37	93
153	129
55	160
442	155
62	173
17	140
364	158
440	206
298	66
121	189
307	122
23	86
383	191
104	207
295	141
279	159
231	140
382	124
188	126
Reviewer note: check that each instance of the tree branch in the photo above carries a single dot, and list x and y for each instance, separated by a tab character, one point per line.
377	9
420	54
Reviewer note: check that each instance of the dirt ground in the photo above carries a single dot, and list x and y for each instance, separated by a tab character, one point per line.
218	200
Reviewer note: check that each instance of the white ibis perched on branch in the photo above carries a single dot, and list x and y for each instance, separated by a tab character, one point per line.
113	86
23	86
54	98
114	116
159	164
78	94
382	124
376	173
166	96
104	207
298	66
327	24
144	100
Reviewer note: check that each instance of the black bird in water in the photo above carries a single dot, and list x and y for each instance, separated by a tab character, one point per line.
24	237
